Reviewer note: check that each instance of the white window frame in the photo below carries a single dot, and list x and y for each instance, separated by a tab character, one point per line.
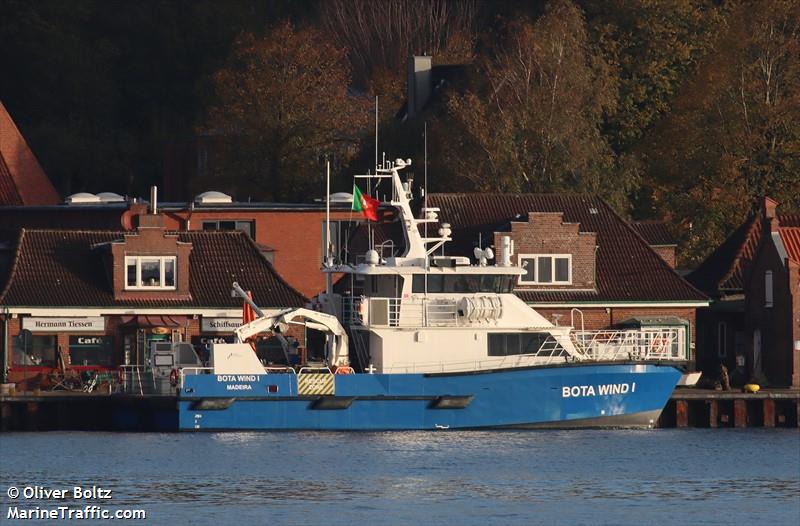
162	260
552	257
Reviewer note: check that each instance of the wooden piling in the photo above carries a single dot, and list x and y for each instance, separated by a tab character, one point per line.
769	412
31	416
681	413
739	413
713	417
797	410
5	417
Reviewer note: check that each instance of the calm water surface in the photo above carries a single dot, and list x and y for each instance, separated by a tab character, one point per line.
528	477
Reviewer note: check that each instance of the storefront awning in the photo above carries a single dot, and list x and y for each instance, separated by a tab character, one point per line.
147	321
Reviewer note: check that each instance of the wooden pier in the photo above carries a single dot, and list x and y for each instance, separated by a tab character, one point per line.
75	411
710	408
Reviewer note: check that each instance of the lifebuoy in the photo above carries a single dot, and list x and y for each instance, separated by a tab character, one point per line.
173	378
344	369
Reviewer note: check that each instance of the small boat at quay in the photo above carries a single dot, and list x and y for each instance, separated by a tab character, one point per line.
421	341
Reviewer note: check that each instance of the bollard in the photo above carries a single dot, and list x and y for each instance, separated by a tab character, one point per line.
739	413
769	412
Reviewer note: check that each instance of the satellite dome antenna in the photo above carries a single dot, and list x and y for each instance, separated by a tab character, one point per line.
483	255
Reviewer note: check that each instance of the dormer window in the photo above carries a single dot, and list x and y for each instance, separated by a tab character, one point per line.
150	272
540	269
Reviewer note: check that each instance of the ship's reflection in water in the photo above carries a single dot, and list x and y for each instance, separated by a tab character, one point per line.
487	477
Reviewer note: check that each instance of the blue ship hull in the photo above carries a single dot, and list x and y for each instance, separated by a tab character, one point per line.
572	395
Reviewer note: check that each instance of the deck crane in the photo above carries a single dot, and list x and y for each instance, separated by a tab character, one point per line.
336	354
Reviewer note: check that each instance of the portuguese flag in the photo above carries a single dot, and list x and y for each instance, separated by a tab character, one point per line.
365	204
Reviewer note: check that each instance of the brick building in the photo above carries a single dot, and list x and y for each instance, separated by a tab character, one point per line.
753	323
96	299
578	254
289	235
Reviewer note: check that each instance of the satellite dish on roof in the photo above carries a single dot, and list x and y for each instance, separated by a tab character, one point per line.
212	197
82	198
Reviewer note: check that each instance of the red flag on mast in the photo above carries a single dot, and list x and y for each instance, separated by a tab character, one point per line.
365	204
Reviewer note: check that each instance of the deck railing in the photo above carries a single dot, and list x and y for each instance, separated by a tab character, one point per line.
643	344
398	312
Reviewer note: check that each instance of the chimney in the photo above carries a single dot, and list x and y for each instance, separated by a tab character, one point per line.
154	200
419	83
769	206
153	219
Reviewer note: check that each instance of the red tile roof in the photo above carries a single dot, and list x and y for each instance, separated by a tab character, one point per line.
791	242
65	268
22	180
627	268
723	270
655	233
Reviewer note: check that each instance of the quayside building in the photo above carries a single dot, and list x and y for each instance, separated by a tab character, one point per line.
96	299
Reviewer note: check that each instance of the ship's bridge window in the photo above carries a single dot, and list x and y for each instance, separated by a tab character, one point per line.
463	283
513	343
384	286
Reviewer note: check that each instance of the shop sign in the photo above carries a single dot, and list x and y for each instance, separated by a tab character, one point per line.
89	324
89	341
205	341
220	324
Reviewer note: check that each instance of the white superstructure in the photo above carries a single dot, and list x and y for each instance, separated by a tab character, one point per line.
418	313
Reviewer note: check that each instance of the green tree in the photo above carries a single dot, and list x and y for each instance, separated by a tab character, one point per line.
535	125
283	103
733	135
652	45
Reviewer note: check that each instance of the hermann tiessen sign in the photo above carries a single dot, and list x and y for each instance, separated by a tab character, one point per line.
90	324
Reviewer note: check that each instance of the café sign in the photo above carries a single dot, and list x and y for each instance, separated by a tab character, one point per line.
89	324
219	324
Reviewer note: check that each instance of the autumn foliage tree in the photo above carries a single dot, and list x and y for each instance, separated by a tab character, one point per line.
535	126
652	46
733	135
283	105
687	110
